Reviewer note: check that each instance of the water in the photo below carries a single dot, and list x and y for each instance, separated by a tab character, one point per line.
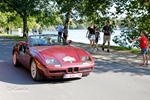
80	35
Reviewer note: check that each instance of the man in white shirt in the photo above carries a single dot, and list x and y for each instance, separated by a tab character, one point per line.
59	28
34	31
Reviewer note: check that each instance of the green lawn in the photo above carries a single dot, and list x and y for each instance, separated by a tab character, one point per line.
136	51
14	37
118	48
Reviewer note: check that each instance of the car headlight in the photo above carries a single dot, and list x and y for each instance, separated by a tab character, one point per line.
86	59
52	61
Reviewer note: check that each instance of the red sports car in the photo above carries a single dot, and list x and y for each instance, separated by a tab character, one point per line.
45	57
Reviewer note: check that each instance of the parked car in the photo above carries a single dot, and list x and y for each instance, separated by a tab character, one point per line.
45	57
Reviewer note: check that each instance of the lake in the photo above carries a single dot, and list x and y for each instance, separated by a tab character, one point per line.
80	35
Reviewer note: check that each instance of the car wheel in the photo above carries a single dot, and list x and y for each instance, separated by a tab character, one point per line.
15	60
34	72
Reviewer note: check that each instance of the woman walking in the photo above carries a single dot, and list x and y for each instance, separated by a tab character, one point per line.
91	35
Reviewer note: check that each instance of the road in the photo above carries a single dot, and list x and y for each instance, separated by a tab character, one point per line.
109	81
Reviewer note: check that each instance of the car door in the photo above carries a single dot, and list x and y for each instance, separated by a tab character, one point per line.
20	53
23	55
26	56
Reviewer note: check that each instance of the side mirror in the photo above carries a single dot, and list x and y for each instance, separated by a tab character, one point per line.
69	42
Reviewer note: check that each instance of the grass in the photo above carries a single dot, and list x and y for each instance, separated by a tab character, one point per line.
131	50
118	48
135	51
112	47
14	37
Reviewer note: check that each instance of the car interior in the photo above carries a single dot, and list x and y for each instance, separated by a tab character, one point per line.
45	40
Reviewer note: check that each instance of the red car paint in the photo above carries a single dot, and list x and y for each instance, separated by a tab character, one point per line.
58	52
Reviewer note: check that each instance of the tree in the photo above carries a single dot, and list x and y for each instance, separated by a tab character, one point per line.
10	19
72	25
56	11
49	15
24	8
90	10
137	19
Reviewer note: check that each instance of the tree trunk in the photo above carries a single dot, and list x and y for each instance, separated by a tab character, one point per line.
68	15
24	24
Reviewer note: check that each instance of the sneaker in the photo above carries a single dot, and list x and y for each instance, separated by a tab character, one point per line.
103	48
91	49
146	64
108	50
142	64
96	49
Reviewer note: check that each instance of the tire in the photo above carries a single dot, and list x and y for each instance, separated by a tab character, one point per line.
34	72
15	60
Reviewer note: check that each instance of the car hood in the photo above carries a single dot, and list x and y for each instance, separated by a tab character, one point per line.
64	54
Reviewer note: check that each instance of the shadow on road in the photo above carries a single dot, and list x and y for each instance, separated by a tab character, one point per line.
21	76
13	75
103	66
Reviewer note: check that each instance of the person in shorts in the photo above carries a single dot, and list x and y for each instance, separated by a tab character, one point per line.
144	47
91	35
107	35
97	37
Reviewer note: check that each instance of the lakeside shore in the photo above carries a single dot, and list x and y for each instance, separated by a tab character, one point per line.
79	35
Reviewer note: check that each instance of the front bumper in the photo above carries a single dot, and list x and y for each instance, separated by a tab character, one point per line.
59	72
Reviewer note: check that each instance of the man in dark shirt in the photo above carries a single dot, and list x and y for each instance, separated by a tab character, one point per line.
107	35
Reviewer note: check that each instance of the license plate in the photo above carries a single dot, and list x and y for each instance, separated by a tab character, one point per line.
78	75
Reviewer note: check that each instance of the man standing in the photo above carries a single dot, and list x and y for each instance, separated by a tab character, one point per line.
34	30
59	28
40	30
7	30
107	35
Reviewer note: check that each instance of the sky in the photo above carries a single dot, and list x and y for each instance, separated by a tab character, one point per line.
113	9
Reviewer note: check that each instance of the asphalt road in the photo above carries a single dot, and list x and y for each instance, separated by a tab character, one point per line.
108	81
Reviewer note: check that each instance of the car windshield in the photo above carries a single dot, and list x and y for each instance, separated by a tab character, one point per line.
44	40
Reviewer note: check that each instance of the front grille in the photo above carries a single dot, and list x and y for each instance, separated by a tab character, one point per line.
73	70
86	69
76	69
57	71
70	70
